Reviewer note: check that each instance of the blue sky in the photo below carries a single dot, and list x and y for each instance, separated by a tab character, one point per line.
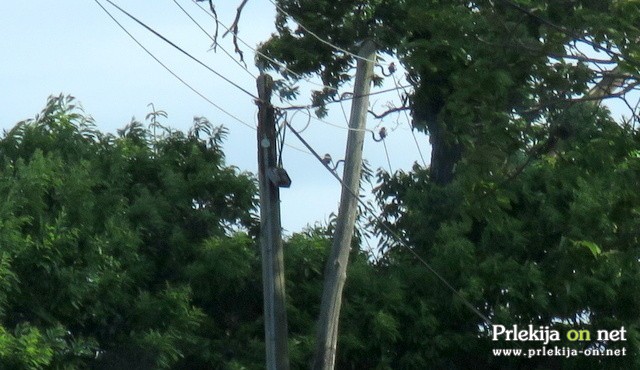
73	47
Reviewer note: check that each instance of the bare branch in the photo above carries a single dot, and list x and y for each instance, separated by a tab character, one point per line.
215	18
234	30
635	118
582	58
389	111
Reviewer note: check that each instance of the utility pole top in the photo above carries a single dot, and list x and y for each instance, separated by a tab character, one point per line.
265	87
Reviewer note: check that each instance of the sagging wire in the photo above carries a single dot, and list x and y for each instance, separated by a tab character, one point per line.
171	71
214	38
409	121
281	134
386	152
308	119
262	55
175	46
353	55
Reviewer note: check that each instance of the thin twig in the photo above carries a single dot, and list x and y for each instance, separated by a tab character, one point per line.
389	111
234	30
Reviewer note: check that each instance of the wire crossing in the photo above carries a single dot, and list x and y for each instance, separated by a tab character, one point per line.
171	71
235	118
243	66
156	33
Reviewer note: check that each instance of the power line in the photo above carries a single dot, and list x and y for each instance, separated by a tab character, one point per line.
183	81
349	96
391	232
294	114
384	143
386	152
210	69
299	76
183	51
244	67
307	107
264	56
171	71
406	115
312	151
320	38
336	125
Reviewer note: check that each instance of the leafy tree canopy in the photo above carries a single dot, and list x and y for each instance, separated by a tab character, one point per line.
557	244
528	206
483	72
102	236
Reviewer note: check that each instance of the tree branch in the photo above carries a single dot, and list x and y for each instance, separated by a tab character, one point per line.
389	111
215	17
610	81
234	30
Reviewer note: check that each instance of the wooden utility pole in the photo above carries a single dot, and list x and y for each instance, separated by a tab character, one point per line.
335	272
275	314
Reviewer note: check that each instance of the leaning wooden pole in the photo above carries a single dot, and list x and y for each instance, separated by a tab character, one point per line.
275	314
335	272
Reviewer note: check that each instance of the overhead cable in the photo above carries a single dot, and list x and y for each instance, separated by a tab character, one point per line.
264	56
406	115
356	56
183	81
243	66
182	50
348	96
171	71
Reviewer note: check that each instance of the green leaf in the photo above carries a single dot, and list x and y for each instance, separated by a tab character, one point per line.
591	246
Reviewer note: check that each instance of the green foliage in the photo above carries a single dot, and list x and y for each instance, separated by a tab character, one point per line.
529	206
132	252
96	233
305	255
555	245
